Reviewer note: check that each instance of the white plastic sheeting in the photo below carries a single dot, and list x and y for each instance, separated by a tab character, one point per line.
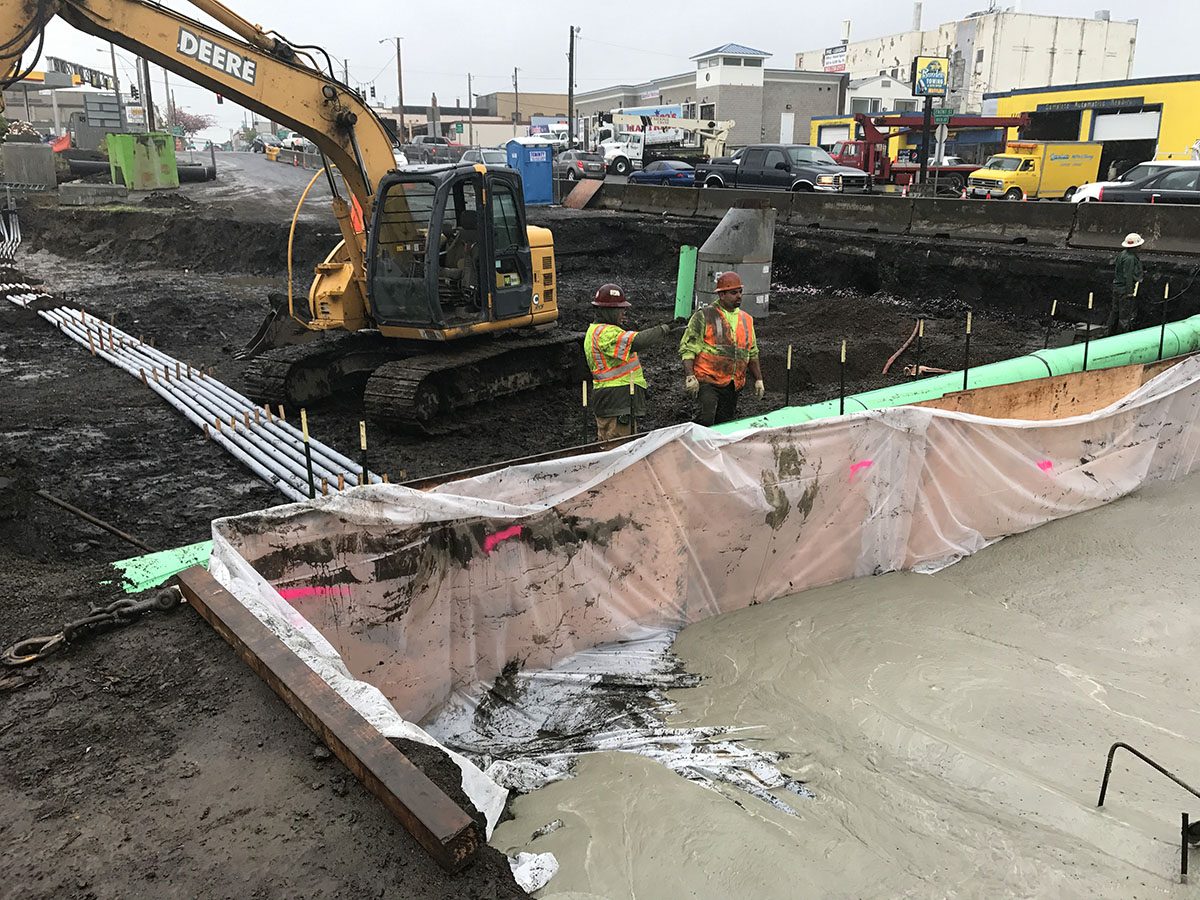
401	598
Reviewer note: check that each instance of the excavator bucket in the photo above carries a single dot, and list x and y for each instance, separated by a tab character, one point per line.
278	329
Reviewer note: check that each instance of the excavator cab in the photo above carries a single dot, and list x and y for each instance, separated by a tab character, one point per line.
449	248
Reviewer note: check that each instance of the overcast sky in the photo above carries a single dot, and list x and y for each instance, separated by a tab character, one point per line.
619	43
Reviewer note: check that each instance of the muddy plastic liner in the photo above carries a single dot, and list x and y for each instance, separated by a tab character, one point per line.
401	599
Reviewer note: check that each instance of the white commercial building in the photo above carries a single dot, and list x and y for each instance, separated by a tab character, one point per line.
992	51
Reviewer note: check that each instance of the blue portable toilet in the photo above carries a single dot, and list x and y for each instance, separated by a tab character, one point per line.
537	172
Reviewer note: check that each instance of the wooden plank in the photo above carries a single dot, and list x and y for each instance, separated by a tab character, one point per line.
441	826
583	192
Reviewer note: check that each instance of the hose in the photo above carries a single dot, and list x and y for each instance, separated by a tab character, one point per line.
292	236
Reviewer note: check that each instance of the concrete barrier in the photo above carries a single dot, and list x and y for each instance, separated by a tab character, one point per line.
645	198
713	203
1043	222
28	164
851	212
296	158
81	193
1166	228
609	196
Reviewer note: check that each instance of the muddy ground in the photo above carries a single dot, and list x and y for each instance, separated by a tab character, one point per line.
151	760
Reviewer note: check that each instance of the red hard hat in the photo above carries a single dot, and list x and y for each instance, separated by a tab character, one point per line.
611	296
728	281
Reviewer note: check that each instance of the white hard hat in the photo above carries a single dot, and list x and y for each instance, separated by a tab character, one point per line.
1133	239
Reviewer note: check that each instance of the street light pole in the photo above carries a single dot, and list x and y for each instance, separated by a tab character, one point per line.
516	102
470	113
116	86
399	87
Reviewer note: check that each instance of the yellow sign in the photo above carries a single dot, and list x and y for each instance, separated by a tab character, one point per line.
930	76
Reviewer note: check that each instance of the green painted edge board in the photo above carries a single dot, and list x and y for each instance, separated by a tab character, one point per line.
149	571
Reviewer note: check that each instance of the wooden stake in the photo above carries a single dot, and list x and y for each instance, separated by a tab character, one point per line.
219	431
967	351
842	383
270	415
177	376
246	415
257	412
1162	328
154	372
324	486
308	463
1087	334
341	482
207	433
282	414
1050	324
362	445
920	340
586	427
91	346
385	478
142	372
787	384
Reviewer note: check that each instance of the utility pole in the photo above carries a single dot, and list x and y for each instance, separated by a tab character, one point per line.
516	102
116	86
346	72
170	99
571	90
147	97
470	113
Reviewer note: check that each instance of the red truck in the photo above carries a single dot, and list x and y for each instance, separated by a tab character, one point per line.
870	152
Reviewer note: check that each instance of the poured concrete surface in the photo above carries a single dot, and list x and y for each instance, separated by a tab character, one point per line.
952	727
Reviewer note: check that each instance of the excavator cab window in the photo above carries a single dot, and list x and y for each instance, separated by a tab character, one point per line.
405	214
460	271
510	248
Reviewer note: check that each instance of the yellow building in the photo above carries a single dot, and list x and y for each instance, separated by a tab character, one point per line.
1136	120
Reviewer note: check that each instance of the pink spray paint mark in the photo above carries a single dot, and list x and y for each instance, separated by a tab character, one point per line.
490	542
316	590
857	467
1045	465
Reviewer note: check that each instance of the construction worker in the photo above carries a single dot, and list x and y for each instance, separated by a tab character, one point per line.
611	353
717	348
1127	274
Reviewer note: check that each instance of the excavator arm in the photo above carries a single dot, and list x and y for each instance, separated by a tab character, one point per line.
259	70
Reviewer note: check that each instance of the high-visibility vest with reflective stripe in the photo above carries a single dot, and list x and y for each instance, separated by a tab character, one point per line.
726	353
609	350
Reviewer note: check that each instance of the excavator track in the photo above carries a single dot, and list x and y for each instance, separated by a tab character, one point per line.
302	374
420	392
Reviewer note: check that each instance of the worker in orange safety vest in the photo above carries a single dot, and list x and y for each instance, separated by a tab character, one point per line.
611	353
717	349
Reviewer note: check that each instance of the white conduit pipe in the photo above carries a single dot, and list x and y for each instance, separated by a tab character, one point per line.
234	442
216	406
333	460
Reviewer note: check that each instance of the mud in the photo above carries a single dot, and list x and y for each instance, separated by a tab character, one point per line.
952	730
151	760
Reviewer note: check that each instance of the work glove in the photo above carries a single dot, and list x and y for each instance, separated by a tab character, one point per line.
678	325
691	384
760	389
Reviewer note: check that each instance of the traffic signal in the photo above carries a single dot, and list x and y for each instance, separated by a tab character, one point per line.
372	92
133	91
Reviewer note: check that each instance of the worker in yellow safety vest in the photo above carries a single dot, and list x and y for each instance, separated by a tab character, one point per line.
717	348
611	353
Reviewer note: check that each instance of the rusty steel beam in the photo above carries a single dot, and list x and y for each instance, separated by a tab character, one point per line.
443	828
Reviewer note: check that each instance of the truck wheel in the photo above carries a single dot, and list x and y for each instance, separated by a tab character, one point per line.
713	182
1014	194
621	166
571	176
802	188
1070	193
953	184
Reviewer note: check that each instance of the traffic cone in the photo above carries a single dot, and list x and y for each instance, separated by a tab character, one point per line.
1024	197
963	196
904	191
295	159
989	196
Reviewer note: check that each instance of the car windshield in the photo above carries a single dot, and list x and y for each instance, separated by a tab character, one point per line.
1003	163
495	157
1137	173
802	155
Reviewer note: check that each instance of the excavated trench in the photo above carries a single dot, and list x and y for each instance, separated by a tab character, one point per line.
199	283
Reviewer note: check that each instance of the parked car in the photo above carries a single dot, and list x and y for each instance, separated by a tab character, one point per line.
1178	184
431	148
788	167
667	172
486	156
574	165
399	157
292	141
261	142
1089	193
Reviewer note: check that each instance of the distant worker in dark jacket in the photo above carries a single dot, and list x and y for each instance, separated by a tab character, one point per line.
717	348
611	353
1127	274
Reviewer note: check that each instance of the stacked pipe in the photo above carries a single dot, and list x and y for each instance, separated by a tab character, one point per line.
264	443
10	232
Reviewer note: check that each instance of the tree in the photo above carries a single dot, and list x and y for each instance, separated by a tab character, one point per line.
191	123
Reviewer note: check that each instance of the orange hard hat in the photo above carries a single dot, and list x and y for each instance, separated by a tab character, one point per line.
610	296
728	281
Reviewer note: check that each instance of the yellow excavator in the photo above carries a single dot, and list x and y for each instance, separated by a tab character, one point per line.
444	296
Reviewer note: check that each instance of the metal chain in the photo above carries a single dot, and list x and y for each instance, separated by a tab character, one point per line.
118	613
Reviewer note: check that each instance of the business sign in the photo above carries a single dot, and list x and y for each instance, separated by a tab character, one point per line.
135	115
942	115
458	129
1111	103
539	156
649	95
674	111
834	59
88	75
930	76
